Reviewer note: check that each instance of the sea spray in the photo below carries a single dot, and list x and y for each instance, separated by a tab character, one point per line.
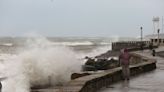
100	50
95	52
39	64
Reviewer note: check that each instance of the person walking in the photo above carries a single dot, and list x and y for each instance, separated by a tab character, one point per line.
124	62
153	52
0	87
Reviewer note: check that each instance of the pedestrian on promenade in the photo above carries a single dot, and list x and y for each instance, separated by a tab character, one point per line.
153	52
124	62
0	86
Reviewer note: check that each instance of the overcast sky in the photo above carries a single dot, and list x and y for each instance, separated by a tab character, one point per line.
78	17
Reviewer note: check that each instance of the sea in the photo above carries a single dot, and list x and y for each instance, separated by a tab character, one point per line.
31	61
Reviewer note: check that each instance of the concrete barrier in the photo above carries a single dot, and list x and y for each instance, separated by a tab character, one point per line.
94	82
129	44
132	45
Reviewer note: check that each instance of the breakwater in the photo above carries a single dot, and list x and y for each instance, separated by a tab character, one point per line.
116	46
95	81
131	45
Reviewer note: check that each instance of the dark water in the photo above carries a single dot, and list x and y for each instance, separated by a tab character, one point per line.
78	44
11	44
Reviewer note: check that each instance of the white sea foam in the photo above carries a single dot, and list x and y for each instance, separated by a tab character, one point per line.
73	43
100	50
105	43
95	52
7	44
37	63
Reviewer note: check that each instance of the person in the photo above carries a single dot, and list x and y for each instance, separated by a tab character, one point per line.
0	86
124	62
153	52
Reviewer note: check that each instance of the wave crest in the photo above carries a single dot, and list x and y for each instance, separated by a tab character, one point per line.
39	64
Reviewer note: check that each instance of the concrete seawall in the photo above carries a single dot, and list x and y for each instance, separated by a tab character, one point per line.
96	81
116	46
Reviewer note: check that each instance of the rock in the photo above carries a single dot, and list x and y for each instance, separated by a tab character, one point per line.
77	75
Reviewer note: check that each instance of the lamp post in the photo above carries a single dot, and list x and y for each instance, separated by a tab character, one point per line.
141	34
158	36
141	45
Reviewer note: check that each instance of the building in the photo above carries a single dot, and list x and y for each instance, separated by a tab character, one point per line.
156	39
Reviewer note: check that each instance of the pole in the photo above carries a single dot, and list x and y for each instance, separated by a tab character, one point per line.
141	45
158	37
162	24
141	34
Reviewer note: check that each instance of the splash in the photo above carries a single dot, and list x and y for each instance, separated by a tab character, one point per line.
98	51
39	63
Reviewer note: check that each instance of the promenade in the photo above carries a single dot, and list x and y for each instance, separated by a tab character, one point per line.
148	82
152	81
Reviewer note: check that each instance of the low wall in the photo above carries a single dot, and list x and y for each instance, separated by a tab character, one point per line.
94	82
116	46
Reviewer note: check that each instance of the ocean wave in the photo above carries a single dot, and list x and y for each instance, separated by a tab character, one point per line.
39	63
73	43
7	44
105	43
95	52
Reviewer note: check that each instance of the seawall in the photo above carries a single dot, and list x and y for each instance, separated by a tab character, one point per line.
116	46
95	81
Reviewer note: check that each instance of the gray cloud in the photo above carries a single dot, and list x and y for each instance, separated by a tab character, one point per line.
78	17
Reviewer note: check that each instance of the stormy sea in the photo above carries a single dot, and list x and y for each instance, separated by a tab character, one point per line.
30	61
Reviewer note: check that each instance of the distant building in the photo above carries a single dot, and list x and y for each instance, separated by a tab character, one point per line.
155	39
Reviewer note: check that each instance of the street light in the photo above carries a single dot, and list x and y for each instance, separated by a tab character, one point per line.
158	36
141	33
141	45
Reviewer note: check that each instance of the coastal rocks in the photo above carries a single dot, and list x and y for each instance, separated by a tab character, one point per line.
94	64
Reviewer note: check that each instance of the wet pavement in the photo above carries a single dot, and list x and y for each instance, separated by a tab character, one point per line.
148	82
